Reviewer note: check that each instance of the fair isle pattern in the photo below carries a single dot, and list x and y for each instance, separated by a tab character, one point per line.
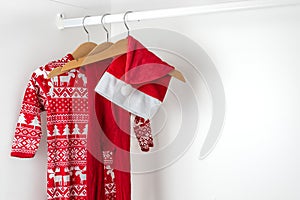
65	99
142	130
67	118
109	176
77	192
70	183
30	109
69	92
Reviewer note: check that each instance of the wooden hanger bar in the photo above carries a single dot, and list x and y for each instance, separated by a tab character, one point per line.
114	51
77	63
81	51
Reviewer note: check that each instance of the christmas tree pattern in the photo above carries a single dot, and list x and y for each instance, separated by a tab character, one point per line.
76	130
66	130
55	130
35	122
22	119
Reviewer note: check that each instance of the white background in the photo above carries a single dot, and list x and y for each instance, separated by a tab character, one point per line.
257	56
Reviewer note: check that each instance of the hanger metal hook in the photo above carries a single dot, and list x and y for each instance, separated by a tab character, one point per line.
88	34
125	23
107	33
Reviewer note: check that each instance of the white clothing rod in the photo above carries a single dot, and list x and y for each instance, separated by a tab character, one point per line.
175	12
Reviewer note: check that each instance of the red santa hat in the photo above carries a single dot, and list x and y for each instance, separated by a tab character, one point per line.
136	81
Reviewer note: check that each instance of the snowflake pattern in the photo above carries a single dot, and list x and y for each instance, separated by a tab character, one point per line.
142	130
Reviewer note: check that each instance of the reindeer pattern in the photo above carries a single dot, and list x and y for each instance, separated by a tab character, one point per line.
63	80
63	176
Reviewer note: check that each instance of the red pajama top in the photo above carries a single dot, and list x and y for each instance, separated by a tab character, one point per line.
65	99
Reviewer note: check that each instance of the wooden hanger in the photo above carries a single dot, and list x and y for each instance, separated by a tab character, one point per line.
116	49
81	51
119	48
84	60
81	55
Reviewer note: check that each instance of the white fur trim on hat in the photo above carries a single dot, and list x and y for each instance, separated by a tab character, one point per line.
127	97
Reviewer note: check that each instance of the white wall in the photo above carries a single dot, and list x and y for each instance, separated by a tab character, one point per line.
257	158
29	38
257	55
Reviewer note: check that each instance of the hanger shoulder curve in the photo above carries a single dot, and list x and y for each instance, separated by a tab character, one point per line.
86	59
79	61
83	50
101	47
54	72
177	74
116	49
98	49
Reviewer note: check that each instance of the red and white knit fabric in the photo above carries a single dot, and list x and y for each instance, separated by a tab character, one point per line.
143	133
65	99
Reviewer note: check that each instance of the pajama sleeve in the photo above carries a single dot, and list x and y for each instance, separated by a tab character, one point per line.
143	133
28	129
